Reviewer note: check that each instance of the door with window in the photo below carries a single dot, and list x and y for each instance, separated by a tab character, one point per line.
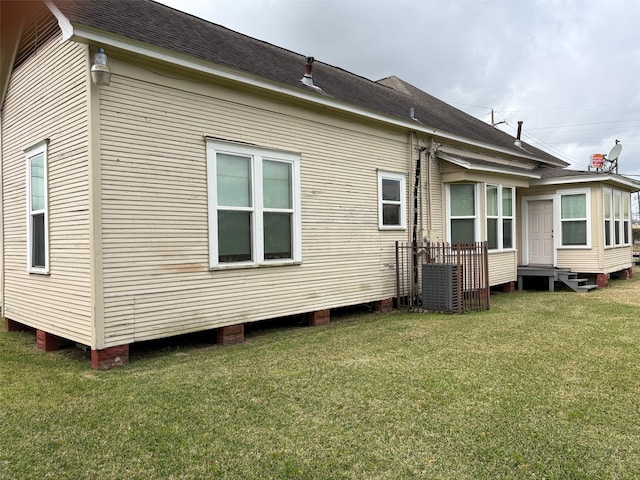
540	231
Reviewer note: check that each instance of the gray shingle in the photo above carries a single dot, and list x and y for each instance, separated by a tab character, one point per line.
156	24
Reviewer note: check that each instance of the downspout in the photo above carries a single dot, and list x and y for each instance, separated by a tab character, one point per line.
414	236
429	189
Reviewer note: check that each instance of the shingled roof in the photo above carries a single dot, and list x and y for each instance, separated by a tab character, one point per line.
160	26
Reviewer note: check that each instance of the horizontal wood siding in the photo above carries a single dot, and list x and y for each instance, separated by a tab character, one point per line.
434	203
503	268
47	98
579	260
154	208
616	259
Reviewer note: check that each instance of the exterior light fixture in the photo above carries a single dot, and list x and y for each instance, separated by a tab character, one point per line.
100	71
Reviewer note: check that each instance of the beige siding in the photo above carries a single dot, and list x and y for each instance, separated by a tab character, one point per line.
616	259
579	260
503	268
154	208
433	202
36	110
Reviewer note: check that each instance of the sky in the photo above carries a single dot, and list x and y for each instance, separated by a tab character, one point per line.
569	69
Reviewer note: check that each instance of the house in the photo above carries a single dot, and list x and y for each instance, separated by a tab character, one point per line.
203	179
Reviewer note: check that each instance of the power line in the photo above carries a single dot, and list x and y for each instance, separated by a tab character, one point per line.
588	124
570	107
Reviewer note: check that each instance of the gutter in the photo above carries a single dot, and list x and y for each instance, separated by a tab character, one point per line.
89	35
567	180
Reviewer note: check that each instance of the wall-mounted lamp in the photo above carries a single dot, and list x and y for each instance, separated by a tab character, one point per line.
100	71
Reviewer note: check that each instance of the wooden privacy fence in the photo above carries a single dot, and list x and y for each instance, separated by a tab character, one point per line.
442	277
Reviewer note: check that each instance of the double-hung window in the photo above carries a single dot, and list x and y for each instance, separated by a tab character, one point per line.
391	201
254	205
462	212
37	209
626	219
617	219
500	224
608	224
574	219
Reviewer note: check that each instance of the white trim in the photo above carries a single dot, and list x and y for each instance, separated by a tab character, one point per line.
611	245
63	22
256	156
626	200
30	153
484	168
500	217
558	218
384	175
476	208
90	35
554	198
592	178
621	198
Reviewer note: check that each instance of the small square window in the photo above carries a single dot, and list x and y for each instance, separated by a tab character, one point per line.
391	201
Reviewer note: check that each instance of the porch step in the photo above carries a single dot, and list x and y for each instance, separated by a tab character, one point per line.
567	277
578	284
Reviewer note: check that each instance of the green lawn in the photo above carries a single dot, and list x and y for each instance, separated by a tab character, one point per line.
544	385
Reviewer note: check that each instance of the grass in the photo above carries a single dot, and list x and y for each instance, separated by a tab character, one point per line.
544	385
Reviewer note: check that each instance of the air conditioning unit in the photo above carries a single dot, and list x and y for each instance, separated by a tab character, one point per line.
440	287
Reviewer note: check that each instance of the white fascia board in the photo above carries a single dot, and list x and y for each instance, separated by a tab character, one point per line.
63	22
485	168
596	178
84	34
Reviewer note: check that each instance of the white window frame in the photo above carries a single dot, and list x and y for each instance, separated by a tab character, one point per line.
609	230
257	155
500	217
617	219
402	203
30	154
587	193
625	198
475	216
617	225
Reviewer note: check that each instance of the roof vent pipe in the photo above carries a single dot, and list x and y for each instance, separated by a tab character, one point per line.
307	78
518	143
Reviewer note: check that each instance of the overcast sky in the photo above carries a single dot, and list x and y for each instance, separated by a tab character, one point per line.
570	69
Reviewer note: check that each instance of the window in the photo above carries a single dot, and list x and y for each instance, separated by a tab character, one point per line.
499	205
626	218
573	218
617	223
508	223
462	213
607	218
493	217
617	218
37	209
391	201
254	205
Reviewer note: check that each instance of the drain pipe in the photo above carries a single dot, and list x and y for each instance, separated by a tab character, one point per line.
414	236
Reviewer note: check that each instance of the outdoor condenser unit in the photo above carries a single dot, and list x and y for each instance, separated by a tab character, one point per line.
440	287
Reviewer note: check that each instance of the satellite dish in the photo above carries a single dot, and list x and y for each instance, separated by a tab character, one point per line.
615	152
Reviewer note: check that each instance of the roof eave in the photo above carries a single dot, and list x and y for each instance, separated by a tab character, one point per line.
633	185
485	168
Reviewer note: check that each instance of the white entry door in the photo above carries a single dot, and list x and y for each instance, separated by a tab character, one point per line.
540	232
